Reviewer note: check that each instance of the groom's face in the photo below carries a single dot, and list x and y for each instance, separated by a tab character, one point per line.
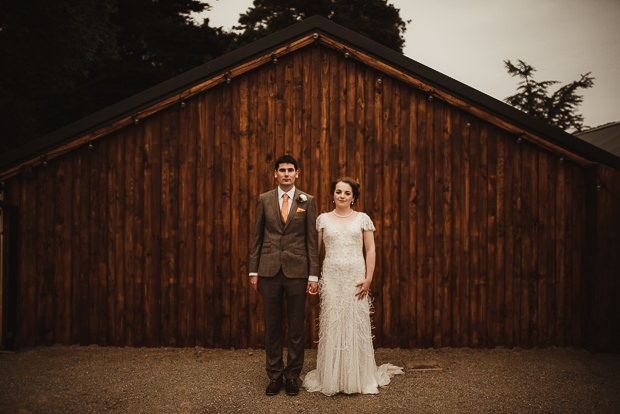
286	174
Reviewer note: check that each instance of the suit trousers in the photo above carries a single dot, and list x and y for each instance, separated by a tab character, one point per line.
274	289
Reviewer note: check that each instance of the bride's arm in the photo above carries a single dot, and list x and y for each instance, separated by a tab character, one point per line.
369	245
371	255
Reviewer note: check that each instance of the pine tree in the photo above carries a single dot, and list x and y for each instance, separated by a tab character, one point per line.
375	19
533	98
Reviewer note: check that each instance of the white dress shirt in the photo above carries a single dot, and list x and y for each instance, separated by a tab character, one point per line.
291	195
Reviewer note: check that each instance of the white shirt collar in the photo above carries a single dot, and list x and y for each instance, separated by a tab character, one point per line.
291	193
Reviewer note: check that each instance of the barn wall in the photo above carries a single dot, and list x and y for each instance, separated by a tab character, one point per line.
144	239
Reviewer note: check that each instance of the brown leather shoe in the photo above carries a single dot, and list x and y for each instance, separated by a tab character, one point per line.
274	386
292	388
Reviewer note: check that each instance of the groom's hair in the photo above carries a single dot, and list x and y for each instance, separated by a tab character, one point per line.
285	159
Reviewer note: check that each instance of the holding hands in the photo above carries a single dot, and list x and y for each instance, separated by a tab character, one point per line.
313	288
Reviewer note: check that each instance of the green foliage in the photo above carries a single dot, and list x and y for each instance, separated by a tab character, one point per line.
62	60
375	19
46	49
559	108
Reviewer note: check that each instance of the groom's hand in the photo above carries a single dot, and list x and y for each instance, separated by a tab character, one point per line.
313	288
254	282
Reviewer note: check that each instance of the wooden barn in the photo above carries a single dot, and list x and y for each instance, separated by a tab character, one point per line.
132	226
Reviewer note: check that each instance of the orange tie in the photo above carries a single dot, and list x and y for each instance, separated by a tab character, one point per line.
284	210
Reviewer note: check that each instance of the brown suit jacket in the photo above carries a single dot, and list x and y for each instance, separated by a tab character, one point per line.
291	246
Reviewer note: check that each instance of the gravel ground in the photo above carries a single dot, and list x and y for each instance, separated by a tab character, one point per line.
94	379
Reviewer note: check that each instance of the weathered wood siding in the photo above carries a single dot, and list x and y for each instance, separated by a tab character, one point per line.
481	240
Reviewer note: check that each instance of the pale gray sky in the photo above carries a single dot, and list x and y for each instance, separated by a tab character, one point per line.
468	41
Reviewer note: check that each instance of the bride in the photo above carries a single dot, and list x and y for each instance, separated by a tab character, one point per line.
345	358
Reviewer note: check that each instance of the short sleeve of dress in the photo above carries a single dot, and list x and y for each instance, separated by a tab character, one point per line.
320	222
366	223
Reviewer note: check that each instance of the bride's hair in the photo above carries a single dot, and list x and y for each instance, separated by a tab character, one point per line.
355	186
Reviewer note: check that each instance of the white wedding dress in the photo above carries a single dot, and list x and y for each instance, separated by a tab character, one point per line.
345	358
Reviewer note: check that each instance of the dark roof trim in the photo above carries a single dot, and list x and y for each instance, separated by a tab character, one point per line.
598	128
263	46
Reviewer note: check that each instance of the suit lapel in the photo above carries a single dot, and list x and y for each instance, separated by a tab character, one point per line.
275	206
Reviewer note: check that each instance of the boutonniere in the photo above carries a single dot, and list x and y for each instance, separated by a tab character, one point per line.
302	198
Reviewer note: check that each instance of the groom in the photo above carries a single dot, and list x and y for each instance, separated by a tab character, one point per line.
284	261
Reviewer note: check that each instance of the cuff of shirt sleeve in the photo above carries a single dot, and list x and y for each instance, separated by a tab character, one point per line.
253	274
313	278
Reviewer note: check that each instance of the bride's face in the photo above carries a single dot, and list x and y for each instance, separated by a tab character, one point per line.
343	195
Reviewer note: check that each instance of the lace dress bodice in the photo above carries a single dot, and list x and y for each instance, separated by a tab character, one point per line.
344	262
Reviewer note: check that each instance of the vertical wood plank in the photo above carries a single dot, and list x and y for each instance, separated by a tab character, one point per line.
218	301
424	300
255	317
341	149
295	105
28	304
236	300
63	210
243	231
377	202
509	153
477	278
130	264
370	191
152	231
99	246
414	218
79	247
114	240
560	254
136	280
391	193
211	309
350	103
528	258
547	181
278	82
500	237
46	286
459	131
467	262
200	224
444	249
227	272
118	247
581	252
492	251
405	272
286	96
222	178
335	96
169	225
517	203
187	223
483	171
